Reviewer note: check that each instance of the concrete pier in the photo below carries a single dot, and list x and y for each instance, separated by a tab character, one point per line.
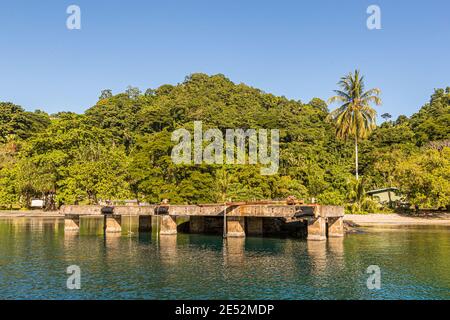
113	223
336	227
72	223
235	227
252	218
317	229
168	225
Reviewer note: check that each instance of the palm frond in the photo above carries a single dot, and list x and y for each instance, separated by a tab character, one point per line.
355	117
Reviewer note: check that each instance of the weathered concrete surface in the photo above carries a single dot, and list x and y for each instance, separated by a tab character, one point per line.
269	211
232	210
81	210
203	210
135	210
317	229
113	224
168	225
255	226
329	211
335	227
72	223
253	218
235	227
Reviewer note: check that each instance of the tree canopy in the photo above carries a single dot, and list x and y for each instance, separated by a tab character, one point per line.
120	149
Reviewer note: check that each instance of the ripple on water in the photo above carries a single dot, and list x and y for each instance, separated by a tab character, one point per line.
35	253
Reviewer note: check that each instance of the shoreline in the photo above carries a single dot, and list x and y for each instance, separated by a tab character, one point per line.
395	219
375	219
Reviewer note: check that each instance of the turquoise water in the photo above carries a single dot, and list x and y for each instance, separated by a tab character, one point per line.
34	255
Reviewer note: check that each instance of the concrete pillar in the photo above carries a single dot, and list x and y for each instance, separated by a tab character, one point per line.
317	229
168	225
336	227
196	224
113	224
145	223
72	223
255	226
236	227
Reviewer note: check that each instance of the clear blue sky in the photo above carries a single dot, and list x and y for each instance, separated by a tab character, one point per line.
298	49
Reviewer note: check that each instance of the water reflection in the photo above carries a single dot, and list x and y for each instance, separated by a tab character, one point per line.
144	237
336	246
317	251
34	254
112	241
233	251
70	238
168	248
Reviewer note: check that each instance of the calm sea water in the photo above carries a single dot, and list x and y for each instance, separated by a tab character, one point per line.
35	253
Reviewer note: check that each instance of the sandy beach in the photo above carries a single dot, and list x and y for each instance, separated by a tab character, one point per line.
397	219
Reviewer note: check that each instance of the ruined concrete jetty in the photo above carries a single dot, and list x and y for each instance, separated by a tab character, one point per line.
237	219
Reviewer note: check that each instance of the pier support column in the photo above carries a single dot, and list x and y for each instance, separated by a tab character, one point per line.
336	227
113	224
72	223
255	226
317	229
168	225
145	223
196	224
236	227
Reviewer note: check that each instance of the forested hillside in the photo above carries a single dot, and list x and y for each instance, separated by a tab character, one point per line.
120	149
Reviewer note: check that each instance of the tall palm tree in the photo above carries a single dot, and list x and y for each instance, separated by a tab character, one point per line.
355	118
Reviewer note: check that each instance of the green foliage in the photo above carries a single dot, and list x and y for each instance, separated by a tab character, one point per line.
121	149
425	177
432	122
98	173
360	202
16	123
354	118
